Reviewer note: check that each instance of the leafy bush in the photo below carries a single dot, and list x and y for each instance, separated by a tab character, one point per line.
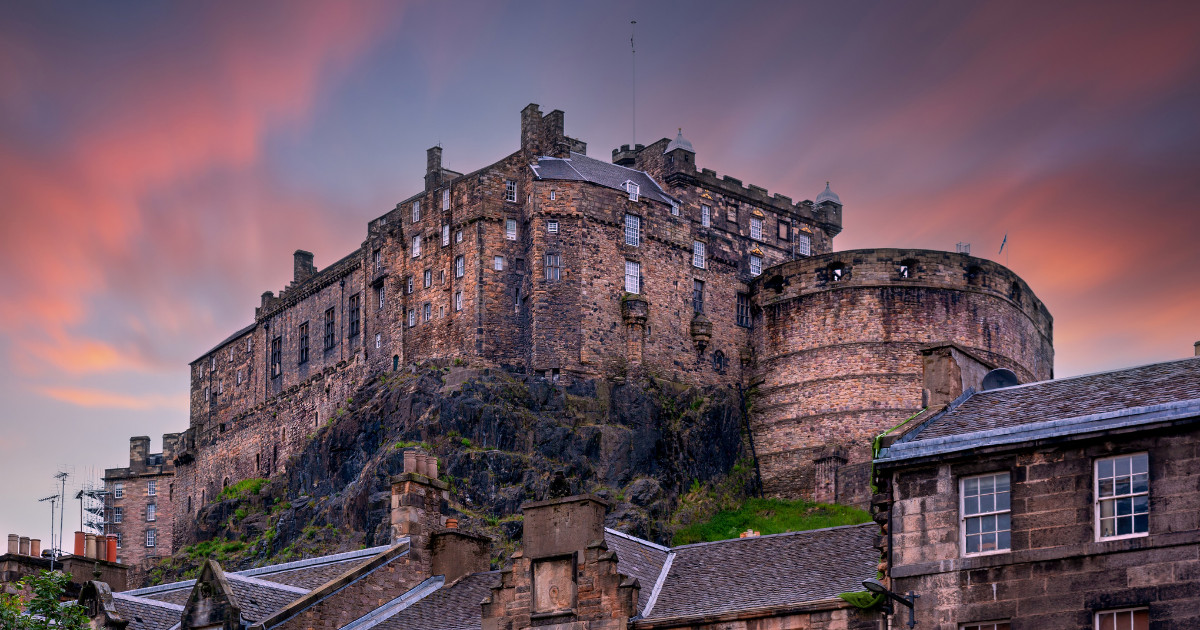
44	611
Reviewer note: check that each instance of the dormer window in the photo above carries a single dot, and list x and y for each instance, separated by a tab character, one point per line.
632	189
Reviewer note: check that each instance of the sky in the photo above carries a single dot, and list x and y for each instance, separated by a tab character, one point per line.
159	162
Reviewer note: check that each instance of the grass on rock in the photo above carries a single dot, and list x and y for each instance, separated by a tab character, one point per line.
770	516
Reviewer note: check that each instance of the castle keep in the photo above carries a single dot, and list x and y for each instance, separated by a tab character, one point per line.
555	264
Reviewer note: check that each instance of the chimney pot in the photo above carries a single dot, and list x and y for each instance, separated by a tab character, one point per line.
79	544
451	523
111	544
410	461
101	547
302	266
23	545
89	546
35	547
14	543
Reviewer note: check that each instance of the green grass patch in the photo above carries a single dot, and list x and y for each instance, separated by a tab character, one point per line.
770	516
244	488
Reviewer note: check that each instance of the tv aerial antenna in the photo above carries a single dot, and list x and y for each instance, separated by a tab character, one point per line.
53	499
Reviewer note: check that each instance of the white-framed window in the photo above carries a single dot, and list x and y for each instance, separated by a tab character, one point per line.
207	394
441	276
756	228
248	342
382	294
151	513
378	340
633	190
674	209
705	215
151	488
804	245
1122	496
633	277
552	195
231	354
119	491
498	263
220	386
698	254
445	234
510	190
459	266
118	514
412	317
510	229
416	246
552	227
458	300
118	541
428	278
633	230
408	284
212	362
416	208
445	199
377	259
1128	619
151	535
755	265
458	236
984	511
988	625
239	377
427	312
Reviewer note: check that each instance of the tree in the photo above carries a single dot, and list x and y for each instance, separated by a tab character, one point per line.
44	611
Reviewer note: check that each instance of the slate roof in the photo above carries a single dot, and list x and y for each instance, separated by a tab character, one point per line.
260	599
780	569
1080	404
637	558
146	614
452	607
580	167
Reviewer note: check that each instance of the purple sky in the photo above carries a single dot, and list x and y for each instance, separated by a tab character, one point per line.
160	162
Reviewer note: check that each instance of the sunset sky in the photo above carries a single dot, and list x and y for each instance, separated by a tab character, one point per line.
159	162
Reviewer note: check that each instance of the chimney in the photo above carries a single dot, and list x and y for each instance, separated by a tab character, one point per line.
80	545
562	526
101	547
111	547
456	553
35	547
139	450
1197	348
14	543
418	503
948	370
89	545
825	488
433	167
531	123
170	446
23	545
302	266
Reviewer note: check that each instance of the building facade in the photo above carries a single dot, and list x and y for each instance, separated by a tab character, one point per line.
139	504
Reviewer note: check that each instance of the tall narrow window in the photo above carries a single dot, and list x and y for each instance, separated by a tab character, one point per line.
705	215
553	266
756	228
633	230
330	329
428	278
445	234
698	254
118	514
985	514
458	236
427	312
381	296
674	209
510	229
355	315
458	300
239	377
151	513
698	296
150	537
441	276
743	310
152	488
445	199
1132	619
378	340
416	211
416	246
510	190
303	343
804	245
276	356
1122	496
412	317
633	277
377	259
408	285
119	491
755	265
459	266
498	263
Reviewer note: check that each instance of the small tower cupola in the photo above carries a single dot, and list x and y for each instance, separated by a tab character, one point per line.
828	195
679	143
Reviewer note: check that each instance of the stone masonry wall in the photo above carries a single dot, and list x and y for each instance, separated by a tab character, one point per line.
1057	575
136	497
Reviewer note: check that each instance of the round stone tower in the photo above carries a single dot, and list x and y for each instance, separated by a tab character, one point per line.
842	344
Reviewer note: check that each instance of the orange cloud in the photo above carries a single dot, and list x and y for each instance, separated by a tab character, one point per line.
95	398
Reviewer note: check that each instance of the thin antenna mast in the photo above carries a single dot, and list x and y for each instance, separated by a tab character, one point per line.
633	76
53	499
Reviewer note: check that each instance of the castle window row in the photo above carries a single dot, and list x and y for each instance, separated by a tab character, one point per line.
633	277
416	211
633	230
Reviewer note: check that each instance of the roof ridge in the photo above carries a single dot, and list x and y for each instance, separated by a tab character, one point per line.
642	541
267	583
779	535
317	561
1089	374
147	601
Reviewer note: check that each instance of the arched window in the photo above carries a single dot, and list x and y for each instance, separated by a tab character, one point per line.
719	361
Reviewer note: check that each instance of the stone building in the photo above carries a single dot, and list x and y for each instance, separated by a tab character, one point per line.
138	504
1066	504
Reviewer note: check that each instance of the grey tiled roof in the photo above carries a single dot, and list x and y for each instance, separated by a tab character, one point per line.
177	596
146	614
314	572
580	167
1075	405
637	558
781	569
453	607
260	599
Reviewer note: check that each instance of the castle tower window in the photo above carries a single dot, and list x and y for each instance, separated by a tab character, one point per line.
381	295
445	234
231	354
633	230
355	315
552	227
416	207
220	386
412	317
785	231
445	199
804	245
428	278
698	296
416	246
633	190
249	340
719	361
1131	619
907	268
239	377
151	513
151	488
206	394
510	229
705	215
408	285
517	297
553	266
441	276
377	259
698	254
378	340
457	301
510	190
756	225
150	537
674	209
458	236
119	491
330	329
459	266
974	275
276	356
755	265
743	310
118	514
552	195
498	263
633	279
837	272
427	312
304	342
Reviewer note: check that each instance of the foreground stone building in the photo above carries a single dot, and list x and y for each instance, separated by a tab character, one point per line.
1066	504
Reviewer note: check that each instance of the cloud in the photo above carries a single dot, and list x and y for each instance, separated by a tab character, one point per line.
96	398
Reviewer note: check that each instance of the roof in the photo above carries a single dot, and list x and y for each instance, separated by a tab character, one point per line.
582	168
780	569
639	559
249	327
146	614
679	143
1069	406
453	607
828	195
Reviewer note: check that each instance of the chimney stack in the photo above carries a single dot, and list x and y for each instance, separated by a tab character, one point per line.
23	545
35	547
456	553
419	501
302	266
111	547
948	370
89	545
80	545
1197	348
139	450
433	167
14	543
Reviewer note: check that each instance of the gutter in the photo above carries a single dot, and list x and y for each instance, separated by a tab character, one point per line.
779	610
